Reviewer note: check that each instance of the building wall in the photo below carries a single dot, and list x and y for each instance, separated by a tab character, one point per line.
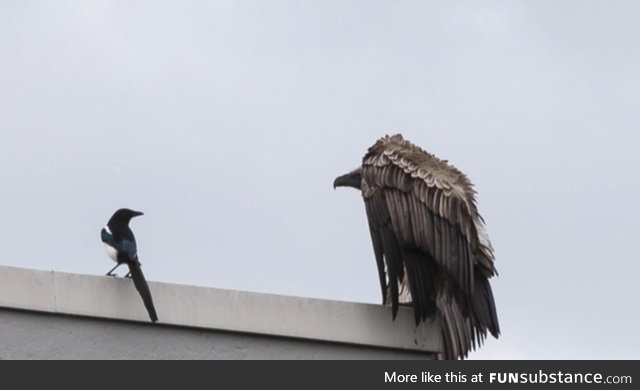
57	315
29	335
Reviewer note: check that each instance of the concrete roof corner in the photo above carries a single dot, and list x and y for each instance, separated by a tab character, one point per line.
216	309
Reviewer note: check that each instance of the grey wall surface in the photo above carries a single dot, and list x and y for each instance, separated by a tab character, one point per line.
57	315
84	315
30	335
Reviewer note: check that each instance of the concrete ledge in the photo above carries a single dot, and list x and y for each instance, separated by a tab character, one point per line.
216	309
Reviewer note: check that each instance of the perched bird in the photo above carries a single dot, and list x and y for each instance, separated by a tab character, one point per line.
120	244
429	241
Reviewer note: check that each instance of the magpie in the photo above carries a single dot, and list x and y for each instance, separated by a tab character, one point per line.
120	244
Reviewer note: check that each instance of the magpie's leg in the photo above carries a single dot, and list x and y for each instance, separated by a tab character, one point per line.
128	275
110	273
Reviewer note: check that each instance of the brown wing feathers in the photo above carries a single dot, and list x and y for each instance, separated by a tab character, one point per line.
421	226
424	221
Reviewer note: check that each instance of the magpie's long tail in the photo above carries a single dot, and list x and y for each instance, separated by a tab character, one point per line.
143	289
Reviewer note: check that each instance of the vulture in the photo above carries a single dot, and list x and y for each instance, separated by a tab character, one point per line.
430	243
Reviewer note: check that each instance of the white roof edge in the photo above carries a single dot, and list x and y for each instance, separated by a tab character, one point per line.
219	309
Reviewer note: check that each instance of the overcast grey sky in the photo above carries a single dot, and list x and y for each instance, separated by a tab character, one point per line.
227	121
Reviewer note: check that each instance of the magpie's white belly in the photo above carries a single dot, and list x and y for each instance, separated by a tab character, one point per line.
111	252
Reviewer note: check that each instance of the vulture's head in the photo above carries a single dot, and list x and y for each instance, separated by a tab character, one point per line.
351	179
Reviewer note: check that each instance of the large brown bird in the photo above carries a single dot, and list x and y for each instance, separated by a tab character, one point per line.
429	241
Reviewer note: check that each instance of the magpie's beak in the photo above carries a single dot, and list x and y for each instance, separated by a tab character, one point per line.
136	214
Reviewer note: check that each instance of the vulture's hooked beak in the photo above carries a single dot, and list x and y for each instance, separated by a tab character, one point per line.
351	179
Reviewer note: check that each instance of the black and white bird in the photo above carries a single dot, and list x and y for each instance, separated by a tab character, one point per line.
429	241
120	244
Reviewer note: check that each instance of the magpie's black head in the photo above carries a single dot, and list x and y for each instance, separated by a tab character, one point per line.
124	216
351	179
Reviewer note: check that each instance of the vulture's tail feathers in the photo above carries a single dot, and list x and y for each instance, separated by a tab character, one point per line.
456	329
484	307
